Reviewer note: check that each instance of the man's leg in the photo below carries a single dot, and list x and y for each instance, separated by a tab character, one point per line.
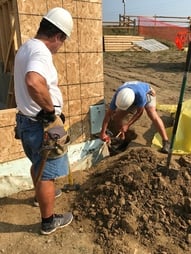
45	191
50	221
159	125
45	194
58	192
157	121
32	175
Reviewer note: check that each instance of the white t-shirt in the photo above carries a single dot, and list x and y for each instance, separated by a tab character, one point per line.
33	55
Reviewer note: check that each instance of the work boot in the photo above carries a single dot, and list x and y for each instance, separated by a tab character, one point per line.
165	146
58	193
59	221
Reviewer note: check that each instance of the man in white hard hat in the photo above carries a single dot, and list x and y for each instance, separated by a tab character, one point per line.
134	96
40	103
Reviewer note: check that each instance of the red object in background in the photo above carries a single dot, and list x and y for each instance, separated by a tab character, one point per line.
181	39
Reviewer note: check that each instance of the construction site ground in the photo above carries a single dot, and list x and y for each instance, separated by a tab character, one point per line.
129	203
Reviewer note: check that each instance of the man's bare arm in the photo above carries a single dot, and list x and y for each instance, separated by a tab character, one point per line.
38	90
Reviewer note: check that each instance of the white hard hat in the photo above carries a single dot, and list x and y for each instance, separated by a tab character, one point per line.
61	18
125	98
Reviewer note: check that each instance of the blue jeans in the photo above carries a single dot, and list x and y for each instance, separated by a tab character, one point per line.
31	134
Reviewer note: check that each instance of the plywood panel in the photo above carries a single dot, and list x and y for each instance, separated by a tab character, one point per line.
72	44
73	68
69	5
32	7
91	67
52	4
88	10
92	90
95	1
28	25
59	60
90	36
12	155
9	145
66	109
74	92
90	101
62	49
64	90
75	107
7	118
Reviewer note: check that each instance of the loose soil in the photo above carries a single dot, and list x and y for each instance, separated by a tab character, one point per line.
129	203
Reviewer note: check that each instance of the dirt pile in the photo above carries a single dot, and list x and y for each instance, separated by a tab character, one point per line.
135	195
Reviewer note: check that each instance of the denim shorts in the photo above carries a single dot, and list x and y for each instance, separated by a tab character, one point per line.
151	99
31	134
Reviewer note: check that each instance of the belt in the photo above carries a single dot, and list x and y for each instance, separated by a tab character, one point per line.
33	118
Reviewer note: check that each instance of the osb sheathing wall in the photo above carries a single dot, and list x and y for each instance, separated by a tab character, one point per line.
79	63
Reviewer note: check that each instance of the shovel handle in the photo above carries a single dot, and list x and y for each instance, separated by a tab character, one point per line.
41	166
118	134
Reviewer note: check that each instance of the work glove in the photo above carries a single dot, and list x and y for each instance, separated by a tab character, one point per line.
46	117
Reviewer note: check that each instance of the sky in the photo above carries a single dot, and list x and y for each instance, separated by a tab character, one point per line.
171	8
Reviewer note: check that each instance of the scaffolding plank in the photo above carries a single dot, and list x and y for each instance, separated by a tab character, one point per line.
120	42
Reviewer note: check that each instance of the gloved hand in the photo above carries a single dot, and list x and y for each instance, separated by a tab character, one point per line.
46	117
